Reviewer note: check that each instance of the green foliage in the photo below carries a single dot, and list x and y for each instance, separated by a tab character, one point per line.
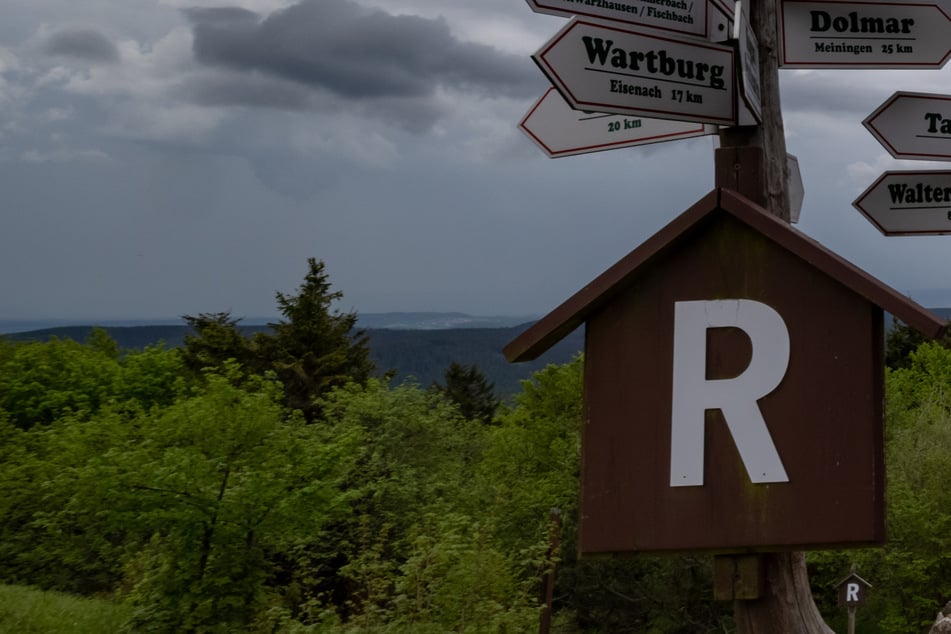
313	350
44	382
468	388
217	338
911	574
30	611
422	549
41	382
230	480
901	341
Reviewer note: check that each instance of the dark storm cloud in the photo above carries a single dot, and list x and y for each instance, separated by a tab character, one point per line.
84	44
356	53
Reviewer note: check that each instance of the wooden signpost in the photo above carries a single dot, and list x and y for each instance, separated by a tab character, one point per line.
672	459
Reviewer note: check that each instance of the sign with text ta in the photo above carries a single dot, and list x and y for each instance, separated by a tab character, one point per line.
912	125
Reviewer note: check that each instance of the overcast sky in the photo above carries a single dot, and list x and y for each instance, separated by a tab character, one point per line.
163	157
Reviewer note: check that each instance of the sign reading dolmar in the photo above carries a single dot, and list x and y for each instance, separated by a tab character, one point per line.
681	16
864	34
607	69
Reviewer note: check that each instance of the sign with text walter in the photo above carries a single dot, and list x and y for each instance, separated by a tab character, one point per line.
913	125
680	16
560	130
602	68
863	35
909	203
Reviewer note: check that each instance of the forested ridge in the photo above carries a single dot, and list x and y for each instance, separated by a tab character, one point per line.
280	483
419	354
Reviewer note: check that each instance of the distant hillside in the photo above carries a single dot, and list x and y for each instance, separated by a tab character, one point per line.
423	355
435	321
418	355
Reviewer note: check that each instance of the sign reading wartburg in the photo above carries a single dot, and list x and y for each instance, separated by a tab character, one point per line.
608	69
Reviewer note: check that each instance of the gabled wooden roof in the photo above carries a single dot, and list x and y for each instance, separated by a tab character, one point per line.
557	324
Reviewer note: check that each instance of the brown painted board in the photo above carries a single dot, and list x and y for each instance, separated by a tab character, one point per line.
825	417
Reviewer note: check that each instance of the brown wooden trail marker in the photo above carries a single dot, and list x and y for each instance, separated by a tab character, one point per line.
852	592
684	446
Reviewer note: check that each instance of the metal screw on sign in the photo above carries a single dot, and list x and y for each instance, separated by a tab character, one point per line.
852	593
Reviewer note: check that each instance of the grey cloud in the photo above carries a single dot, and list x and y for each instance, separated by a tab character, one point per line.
356	53
253	91
84	44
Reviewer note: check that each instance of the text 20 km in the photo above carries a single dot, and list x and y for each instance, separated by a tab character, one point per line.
626	124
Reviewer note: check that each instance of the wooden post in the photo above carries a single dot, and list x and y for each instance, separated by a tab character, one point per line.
548	579
752	161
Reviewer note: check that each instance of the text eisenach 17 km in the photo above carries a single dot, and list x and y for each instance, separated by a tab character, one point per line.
660	62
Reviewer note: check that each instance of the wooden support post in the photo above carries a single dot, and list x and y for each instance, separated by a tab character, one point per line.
752	161
548	579
738	577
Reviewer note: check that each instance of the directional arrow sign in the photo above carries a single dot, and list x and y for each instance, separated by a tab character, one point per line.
908	203
561	131
609	69
681	16
913	125
864	35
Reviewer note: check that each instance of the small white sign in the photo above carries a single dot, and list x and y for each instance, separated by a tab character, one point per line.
863	35
794	186
602	68
748	47
908	203
913	125
560	130
679	16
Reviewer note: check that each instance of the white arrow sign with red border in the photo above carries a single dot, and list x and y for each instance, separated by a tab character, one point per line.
913	125
679	16
909	203
560	130
603	68
863	34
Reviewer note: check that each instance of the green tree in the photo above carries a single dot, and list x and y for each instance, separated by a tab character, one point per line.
315	348
224	483
312	350
43	381
468	387
420	547
216	338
